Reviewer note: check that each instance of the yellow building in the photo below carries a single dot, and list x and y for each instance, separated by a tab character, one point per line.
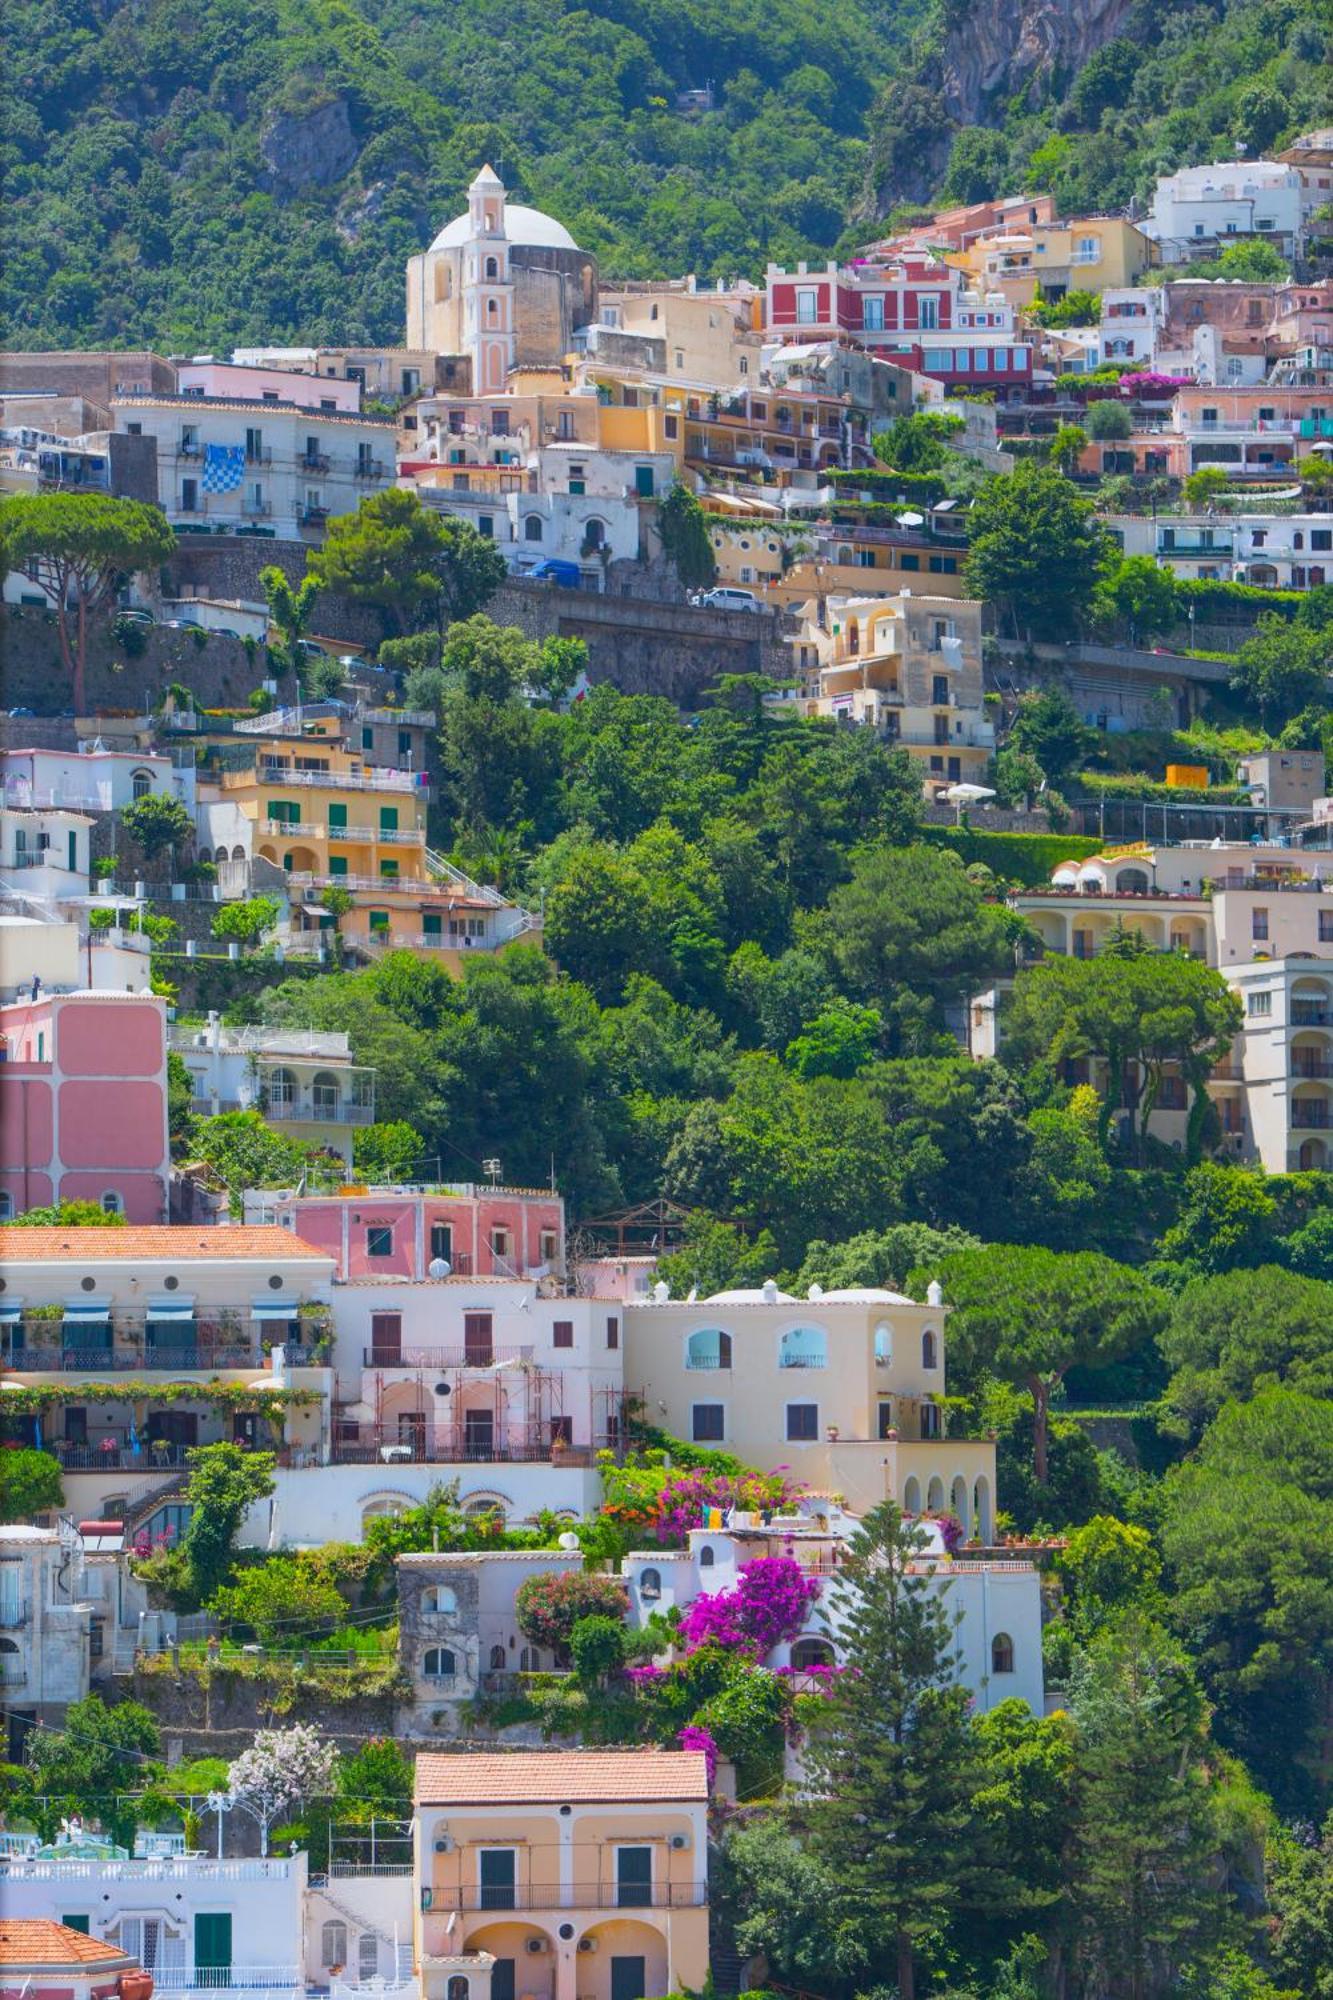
329	818
710	338
561	1874
908	666
1093	254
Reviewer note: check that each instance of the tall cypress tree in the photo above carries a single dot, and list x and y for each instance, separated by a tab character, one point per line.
890	1759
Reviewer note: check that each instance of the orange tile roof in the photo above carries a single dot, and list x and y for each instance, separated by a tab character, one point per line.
153	1243
40	1941
529	1777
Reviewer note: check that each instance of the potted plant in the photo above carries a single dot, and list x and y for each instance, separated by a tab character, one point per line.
832	1432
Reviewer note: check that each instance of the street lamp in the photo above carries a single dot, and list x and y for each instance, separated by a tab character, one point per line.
220	1803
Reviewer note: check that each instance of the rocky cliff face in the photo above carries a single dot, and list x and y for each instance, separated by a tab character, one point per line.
997	48
309	149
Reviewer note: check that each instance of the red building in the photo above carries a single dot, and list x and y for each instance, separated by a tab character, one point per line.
911	309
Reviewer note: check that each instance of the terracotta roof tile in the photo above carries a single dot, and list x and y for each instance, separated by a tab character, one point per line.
521	1777
153	1243
39	1941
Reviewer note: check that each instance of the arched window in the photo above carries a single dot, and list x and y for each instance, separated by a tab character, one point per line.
803	1347
650	1583
492	267
238	853
457	1988
113	1203
438	1664
912	1497
807	1653
492	309
438	1597
1002	1654
333	1944
385	1507
594	533
706	1557
532	527
221	854
530	1660
142	783
324	1094
708	1348
281	1089
884	1344
930	1353
481	1508
498	1659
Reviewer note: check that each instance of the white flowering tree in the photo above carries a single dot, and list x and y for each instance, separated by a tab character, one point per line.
281	1768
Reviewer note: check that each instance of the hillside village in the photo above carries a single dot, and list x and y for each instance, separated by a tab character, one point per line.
666	1090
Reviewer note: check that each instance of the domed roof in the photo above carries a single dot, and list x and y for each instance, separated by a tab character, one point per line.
525	228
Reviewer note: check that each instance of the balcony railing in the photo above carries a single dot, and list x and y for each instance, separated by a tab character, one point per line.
12	1676
368	468
1302	1065
228	1979
577	1896
437	1444
155	1456
1303	1015
389	1356
13	1615
305	1110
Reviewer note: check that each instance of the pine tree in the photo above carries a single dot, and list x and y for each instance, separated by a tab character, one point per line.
890	1759
1144	1837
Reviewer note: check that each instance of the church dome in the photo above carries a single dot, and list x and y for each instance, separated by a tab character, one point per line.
525	228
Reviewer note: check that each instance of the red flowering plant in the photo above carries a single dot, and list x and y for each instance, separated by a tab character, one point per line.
951	1532
773	1594
694	1737
549	1607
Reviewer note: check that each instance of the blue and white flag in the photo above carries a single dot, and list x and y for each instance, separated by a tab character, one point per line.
224	467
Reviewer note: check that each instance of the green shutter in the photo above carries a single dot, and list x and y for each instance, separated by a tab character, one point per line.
337	816
75	1923
388	819
337	864
212	1941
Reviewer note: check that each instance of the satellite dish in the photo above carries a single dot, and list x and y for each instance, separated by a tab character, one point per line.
438	1267
911	520
568	1540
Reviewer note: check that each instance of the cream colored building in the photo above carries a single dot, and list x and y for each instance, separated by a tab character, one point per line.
709	337
561	1874
907	666
1263	917
846	1388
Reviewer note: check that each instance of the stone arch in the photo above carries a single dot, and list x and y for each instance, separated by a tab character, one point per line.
237	852
935	1496
532	527
811	1652
912	1496
982	1510
960	1502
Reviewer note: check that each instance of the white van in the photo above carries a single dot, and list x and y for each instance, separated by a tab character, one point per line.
725	598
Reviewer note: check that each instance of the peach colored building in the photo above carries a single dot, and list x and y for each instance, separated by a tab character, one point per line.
83	1103
562	1874
43	1960
400	1232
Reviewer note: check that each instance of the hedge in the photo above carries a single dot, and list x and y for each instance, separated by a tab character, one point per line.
1027	858
886	484
1214	593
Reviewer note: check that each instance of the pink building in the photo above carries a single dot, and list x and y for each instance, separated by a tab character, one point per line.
479	1232
83	1103
270	385
911	309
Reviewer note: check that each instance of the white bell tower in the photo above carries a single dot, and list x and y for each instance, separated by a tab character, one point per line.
488	291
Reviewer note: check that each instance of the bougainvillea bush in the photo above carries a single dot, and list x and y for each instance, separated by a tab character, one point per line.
768	1607
649	1498
549	1607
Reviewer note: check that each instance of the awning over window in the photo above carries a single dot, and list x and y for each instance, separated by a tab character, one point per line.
156	1315
274	1308
84	1310
11	1314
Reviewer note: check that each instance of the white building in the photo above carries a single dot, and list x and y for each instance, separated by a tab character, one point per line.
258	381
458	1635
303	1081
1273	551
91	779
243	465
1199	209
45	1631
195	1923
44	852
1131	324
994	1604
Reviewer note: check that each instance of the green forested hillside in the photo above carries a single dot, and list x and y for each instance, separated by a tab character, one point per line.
197	172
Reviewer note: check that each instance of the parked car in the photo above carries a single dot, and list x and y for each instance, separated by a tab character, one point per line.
136	616
727	598
224	632
182	625
554	570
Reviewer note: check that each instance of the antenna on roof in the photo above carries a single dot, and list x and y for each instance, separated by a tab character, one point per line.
491	1169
